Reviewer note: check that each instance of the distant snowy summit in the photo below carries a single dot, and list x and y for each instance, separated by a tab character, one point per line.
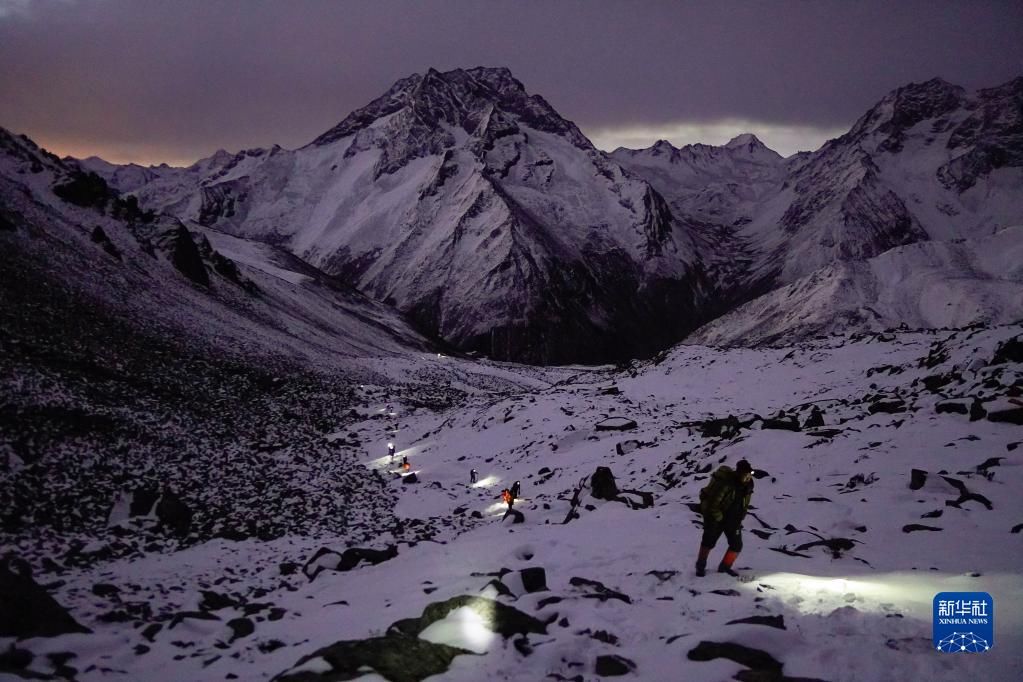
473	207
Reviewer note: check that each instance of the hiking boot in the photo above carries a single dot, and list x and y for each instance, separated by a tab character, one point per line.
727	569
701	570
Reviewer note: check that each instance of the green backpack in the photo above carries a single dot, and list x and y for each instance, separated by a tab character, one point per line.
712	493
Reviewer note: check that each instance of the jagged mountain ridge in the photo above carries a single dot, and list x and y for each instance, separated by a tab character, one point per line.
477	209
928	163
64	228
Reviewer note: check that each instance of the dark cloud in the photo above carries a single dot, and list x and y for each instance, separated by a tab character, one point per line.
176	80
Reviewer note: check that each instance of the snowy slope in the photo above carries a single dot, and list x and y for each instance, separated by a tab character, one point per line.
842	557
925	285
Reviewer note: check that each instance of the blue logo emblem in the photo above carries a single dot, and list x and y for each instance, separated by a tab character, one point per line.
964	622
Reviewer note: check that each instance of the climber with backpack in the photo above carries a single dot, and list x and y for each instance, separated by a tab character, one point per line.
724	502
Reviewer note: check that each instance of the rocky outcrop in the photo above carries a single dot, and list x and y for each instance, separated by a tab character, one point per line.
28	609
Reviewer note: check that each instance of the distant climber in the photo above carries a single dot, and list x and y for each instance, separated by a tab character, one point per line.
472	476
516	490
507	497
405	464
390	450
724	502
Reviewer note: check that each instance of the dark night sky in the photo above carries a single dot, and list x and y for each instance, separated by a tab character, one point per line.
173	80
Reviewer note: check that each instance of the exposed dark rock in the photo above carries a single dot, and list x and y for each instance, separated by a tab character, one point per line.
173	513
988	463
909	528
241	627
1010	415
184	254
85	189
100	237
835	545
142	501
936	381
769	621
152	630
858	480
214	601
28	609
190	615
410	478
815	420
396	657
105	590
1009	351
601	591
743	655
1017	528
727	427
781	423
951	407
965	495
329	559
770	676
917	479
515	515
616	424
610	665
887	407
602	484
534	579
977	411
15	661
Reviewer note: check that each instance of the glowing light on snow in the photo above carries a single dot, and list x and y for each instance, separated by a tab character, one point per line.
908	593
814	594
466	627
497	507
486	482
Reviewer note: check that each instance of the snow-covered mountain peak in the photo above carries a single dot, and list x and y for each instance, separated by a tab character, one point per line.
662	147
905	107
461	98
745	141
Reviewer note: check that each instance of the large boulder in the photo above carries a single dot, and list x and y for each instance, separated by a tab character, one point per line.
173	513
612	665
815	420
602	484
1006	410
1009	351
616	424
526	581
728	427
401	654
28	609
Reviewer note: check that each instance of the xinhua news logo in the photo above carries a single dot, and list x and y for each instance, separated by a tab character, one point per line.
964	622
